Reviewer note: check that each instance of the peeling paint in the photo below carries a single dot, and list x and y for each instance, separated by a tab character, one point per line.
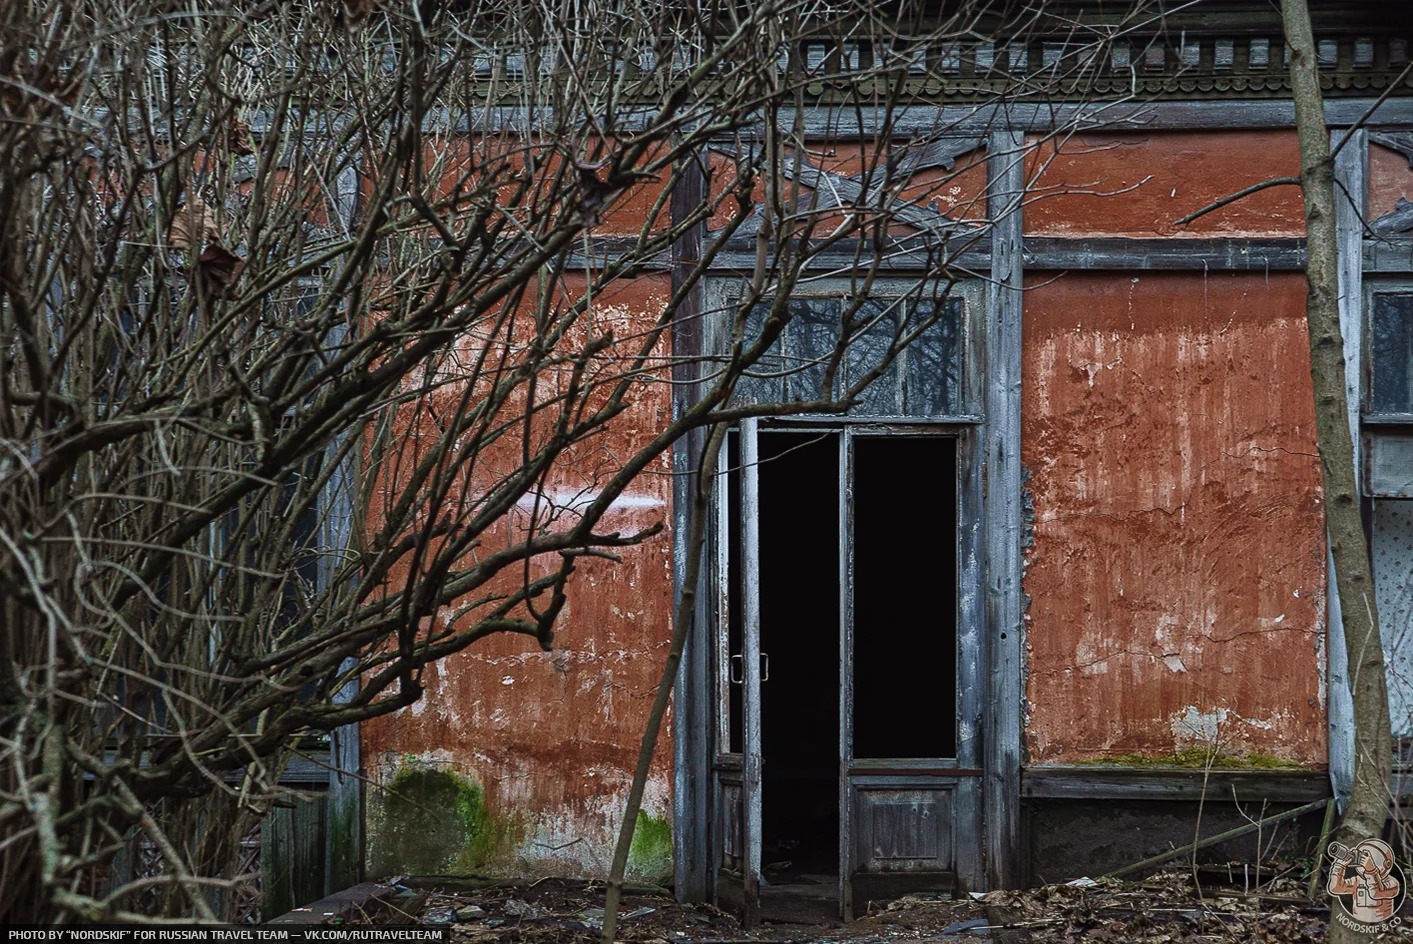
552	737
1193	727
1152	616
1139	184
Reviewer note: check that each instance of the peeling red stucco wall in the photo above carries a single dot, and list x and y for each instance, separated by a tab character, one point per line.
1135	184
1390	180
552	737
1176	581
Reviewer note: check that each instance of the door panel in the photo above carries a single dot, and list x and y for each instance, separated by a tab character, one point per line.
903	829
911	784
750	674
737	775
909	667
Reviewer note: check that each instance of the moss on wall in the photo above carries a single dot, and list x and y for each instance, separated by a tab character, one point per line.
650	855
1198	758
430	821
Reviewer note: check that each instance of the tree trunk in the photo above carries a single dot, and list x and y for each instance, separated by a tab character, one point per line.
1368	803
696	543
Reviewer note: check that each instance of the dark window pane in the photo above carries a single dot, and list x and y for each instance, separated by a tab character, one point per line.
875	325
925	379
793	369
1391	354
765	381
932	369
811	337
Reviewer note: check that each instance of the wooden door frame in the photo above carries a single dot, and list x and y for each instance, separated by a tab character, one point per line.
993	350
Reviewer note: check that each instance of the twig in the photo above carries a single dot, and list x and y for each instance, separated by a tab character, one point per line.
686	608
1232	198
1325	829
1213	840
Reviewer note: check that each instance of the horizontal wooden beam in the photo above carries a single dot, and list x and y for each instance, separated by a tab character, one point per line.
1053	253
1393	256
307	769
1210	115
920	772
1112	253
1096	782
857	118
1165	254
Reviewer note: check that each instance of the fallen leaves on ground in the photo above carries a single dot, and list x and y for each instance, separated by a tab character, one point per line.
1167	908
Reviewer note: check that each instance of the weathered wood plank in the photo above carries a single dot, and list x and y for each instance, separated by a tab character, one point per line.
355	903
1388	256
1395	222
343	830
1351	186
1097	782
1210	254
1054	253
691	717
750	672
970	253
958	120
292	855
1003	510
848	865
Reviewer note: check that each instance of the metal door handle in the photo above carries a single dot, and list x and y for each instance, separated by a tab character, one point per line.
738	671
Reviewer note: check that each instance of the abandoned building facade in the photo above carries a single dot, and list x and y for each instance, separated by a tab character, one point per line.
1065	567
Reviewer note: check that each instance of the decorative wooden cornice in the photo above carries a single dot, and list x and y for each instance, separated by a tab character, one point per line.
1185	66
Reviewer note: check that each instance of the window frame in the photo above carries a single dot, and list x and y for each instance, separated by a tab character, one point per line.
723	296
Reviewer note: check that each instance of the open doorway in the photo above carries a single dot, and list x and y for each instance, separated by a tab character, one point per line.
901	514
799	573
799	605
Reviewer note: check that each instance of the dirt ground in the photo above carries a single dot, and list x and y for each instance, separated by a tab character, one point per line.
1168	908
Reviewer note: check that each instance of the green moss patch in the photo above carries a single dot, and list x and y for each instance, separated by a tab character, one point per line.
1197	758
429	821
650	855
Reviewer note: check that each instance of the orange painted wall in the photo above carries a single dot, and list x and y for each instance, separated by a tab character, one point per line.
1389	180
960	193
552	737
1176	581
1138	184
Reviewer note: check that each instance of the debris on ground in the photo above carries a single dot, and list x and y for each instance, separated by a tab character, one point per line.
1175	907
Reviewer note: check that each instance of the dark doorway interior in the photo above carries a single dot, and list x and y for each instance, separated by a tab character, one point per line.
799	579
905	596
905	602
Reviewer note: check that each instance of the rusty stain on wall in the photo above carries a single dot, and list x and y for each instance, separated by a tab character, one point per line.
1129	184
551	738
1177	574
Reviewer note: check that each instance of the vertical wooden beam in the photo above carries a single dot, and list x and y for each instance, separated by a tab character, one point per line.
343	829
750	673
1003	510
1351	188
692	722
848	860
